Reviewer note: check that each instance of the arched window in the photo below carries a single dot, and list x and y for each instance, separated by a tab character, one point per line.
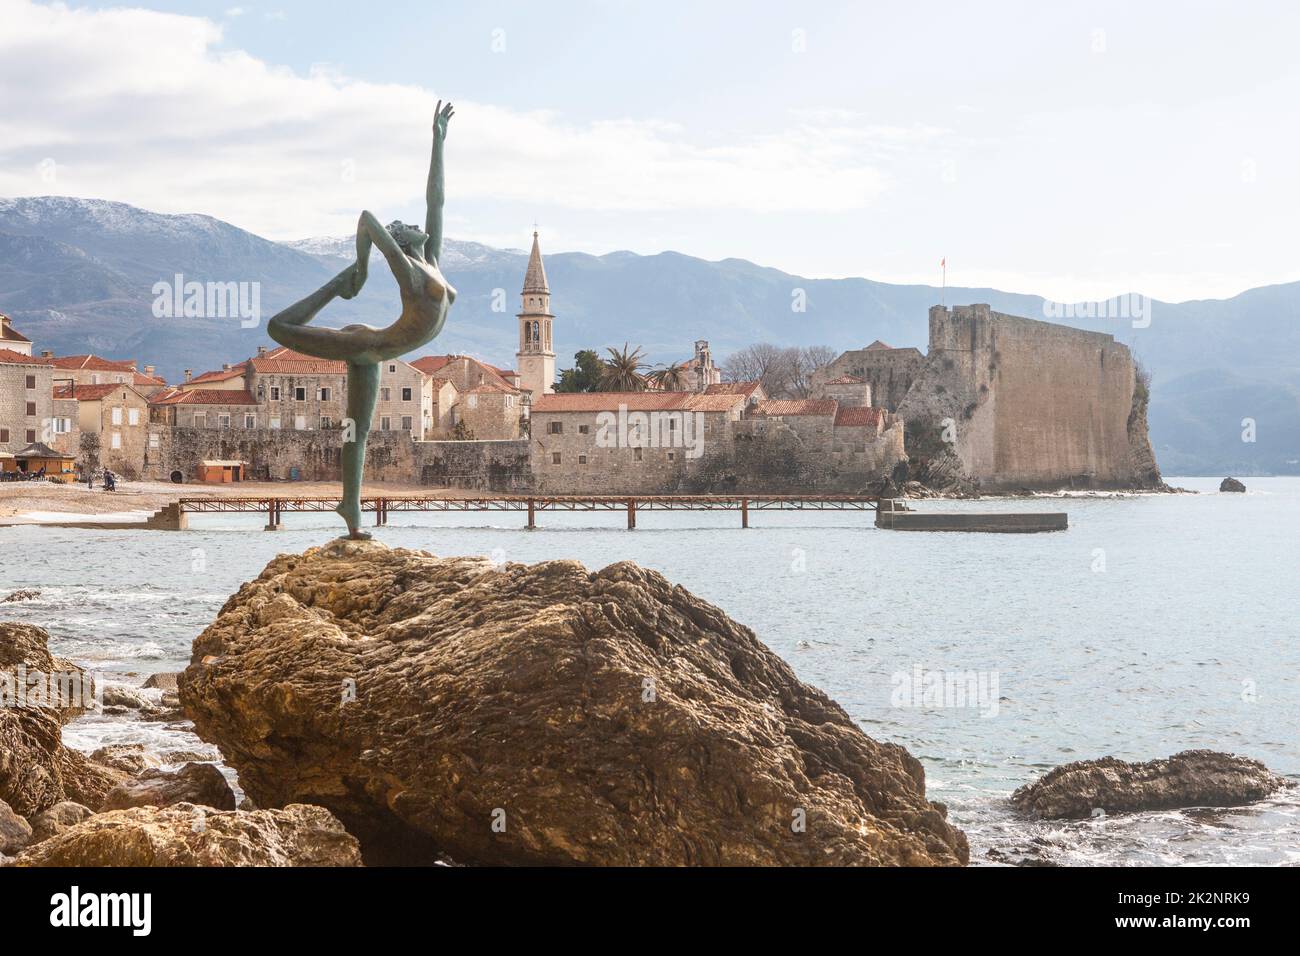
536	334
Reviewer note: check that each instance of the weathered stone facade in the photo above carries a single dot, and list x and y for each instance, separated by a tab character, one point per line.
888	371
1033	404
26	401
118	415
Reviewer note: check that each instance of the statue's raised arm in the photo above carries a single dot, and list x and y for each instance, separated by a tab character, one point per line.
434	193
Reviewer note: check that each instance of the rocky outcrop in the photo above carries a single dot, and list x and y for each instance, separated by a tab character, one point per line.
36	769
129	758
15	832
32	677
58	818
1193	778
23	594
542	714
163	680
1232	484
186	835
201	784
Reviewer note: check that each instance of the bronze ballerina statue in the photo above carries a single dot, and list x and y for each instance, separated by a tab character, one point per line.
426	297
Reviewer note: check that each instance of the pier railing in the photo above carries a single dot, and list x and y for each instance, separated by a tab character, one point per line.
276	507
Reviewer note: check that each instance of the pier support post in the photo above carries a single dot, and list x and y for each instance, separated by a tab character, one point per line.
744	512
631	514
532	515
272	515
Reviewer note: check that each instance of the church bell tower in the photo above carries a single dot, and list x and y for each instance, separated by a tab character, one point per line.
536	353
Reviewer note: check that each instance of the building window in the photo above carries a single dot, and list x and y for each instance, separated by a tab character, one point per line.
473	401
300	422
636	453
31	409
261	391
62	426
384	423
250	421
200	420
223	421
324	394
153	441
555	428
582	459
406	423
31	381
385	394
275	423
31	435
117	440
555	458
4	436
275	393
326	422
392	368
133	416
406	394
117	416
510	401
300	394
583	429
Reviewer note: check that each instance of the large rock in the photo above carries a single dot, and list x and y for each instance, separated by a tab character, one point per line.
129	758
30	675
1193	778
196	783
1231	484
542	714
36	769
186	835
58	818
15	832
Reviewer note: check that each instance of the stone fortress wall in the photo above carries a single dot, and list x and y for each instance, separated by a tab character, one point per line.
1033	404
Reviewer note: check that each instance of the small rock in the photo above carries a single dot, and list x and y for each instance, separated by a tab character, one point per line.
58	818
1231	484
24	594
187	835
15	832
125	697
164	680
197	783
189	756
129	758
1193	778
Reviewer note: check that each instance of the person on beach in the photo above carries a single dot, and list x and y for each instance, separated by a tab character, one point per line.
413	257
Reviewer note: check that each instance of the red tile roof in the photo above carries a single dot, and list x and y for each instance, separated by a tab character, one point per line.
732	388
846	380
7	331
285	361
859	416
798	406
204	396
431	363
142	379
635	402
90	393
92	362
220	375
10	357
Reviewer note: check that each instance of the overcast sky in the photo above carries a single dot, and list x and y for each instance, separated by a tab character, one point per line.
1073	150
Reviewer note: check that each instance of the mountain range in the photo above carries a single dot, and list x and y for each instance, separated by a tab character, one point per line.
78	275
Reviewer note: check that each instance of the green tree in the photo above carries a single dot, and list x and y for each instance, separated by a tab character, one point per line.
671	378
623	371
585	374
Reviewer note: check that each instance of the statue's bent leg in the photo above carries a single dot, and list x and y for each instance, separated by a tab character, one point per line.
363	389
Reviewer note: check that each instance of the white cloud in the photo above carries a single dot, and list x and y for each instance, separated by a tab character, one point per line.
149	108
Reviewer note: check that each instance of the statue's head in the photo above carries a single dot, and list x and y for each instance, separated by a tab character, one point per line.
410	238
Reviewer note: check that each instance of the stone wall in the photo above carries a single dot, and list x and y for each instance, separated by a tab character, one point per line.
500	466
1032	404
889	372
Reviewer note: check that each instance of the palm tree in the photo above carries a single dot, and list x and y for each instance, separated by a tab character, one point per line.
622	372
671	378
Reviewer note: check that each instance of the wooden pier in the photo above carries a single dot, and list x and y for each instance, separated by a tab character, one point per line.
276	508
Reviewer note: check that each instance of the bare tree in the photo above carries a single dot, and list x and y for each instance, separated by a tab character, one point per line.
784	372
803	362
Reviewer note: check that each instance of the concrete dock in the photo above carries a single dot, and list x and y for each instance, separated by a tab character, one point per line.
998	522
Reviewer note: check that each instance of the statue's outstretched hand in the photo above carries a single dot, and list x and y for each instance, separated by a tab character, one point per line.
440	117
351	280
